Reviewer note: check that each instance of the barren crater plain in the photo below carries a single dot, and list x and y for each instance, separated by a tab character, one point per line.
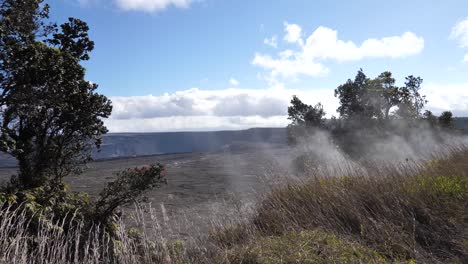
199	185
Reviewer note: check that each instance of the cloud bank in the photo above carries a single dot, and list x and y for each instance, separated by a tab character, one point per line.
232	102
198	109
447	97
308	56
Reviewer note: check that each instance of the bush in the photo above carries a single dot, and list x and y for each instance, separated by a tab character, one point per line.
40	213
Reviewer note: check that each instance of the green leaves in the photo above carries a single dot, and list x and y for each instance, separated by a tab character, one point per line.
366	98
128	187
303	116
51	116
74	39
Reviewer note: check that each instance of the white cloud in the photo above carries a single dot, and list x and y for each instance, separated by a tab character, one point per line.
233	82
323	44
152	5
273	41
289	66
197	109
460	33
447	97
293	33
195	123
465	59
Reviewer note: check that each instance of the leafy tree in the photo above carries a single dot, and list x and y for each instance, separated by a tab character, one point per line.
388	92
446	120
351	96
411	102
362	98
305	115
430	118
51	117
366	98
304	119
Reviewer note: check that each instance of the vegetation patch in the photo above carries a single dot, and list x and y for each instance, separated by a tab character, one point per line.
399	215
315	246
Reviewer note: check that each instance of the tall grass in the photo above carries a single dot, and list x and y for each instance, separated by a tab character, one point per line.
415	211
412	211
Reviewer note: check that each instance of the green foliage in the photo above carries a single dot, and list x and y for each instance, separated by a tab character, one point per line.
385	83
395	213
354	96
304	117
315	246
453	186
73	39
50	209
364	98
411	102
51	116
127	188
430	118
371	110
446	120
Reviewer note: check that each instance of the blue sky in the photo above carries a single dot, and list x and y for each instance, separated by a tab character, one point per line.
216	64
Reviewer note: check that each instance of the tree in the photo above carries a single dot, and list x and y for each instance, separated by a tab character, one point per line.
350	95
388	92
366	98
359	98
430	118
51	117
303	117
446	120
411	102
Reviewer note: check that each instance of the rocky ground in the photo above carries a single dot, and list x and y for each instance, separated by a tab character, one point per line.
201	187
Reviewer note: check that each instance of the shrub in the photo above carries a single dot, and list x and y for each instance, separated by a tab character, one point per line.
40	212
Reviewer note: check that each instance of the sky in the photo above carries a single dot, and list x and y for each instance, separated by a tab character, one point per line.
196	65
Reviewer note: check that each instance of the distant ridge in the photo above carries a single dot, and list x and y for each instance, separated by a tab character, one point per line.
118	145
138	144
462	123
121	145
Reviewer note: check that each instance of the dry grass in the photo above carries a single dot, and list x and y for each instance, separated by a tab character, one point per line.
377	214
409	212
